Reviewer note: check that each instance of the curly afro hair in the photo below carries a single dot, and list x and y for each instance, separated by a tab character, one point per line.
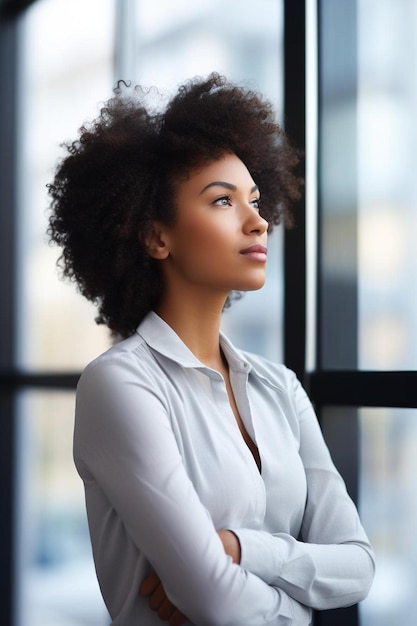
119	176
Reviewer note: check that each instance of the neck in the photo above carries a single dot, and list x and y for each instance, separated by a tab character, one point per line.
197	322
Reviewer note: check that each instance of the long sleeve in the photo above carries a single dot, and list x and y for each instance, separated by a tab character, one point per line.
126	452
332	563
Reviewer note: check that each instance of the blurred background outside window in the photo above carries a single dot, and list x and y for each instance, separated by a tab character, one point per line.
369	266
387	305
387	184
67	67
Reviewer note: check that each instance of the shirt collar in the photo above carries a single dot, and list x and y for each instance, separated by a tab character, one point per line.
159	336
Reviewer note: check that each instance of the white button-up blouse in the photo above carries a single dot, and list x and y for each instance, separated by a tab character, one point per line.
164	465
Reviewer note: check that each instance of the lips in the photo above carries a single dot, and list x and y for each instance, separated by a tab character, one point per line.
257	252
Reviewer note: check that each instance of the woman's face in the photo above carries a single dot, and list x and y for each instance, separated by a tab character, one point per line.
218	241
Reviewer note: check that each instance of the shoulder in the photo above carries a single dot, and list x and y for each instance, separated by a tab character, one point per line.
119	390
129	359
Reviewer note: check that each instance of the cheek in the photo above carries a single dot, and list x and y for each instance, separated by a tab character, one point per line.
203	251
209	235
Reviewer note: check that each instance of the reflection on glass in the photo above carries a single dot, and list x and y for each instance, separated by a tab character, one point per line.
337	185
387	131
56	578
388	508
369	188
242	40
67	67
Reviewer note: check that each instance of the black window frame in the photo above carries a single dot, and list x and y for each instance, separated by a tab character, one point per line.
8	132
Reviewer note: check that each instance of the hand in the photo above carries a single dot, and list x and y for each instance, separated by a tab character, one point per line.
231	544
151	586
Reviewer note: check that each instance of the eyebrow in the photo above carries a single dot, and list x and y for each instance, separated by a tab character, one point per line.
222	183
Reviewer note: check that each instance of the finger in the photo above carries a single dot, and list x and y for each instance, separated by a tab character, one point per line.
149	584
157	597
177	619
166	609
152	586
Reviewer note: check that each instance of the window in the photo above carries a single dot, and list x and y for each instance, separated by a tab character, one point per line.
368	190
364	378
66	57
388	474
362	309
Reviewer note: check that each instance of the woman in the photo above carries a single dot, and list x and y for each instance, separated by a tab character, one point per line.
211	495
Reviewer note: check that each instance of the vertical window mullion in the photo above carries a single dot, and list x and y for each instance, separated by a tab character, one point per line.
8	134
294	242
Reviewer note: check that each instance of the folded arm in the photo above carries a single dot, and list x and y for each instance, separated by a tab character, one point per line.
332	563
124	442
158	600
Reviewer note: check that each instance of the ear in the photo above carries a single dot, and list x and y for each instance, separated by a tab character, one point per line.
156	243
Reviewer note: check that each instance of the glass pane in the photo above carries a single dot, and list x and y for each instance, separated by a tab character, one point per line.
368	184
387	132
388	508
56	578
337	185
67	57
243	40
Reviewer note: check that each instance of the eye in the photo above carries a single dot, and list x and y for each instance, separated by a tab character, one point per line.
256	203
223	201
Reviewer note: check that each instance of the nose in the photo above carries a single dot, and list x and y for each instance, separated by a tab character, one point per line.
254	222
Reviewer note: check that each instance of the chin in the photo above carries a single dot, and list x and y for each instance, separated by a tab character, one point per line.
253	285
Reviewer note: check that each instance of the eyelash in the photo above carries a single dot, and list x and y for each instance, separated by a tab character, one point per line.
225	197
228	198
